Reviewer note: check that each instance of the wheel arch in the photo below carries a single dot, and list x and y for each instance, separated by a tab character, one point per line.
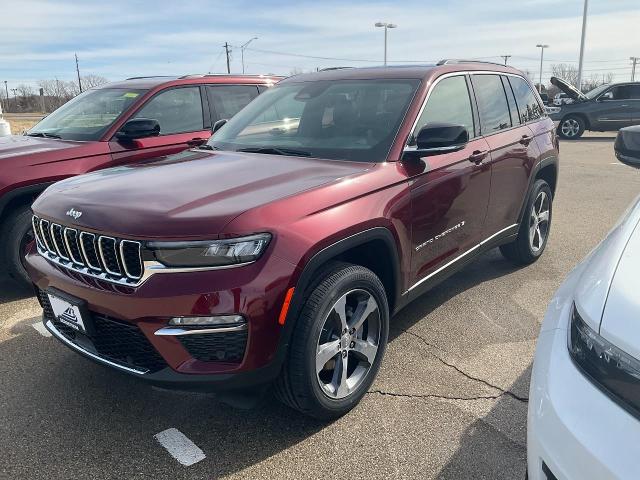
547	170
19	197
583	116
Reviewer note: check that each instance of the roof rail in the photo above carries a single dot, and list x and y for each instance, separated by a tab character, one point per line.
328	69
449	61
150	76
202	75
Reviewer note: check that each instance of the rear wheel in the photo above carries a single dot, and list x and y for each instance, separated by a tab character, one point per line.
571	127
16	235
534	227
338	343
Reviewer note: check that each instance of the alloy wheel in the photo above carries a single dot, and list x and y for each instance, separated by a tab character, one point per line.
539	222
348	343
570	127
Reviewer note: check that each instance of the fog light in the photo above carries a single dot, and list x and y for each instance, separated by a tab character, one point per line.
217	321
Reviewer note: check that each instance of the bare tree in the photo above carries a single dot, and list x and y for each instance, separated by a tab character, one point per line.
90	81
565	71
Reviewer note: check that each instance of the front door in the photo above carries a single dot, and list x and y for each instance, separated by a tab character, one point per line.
184	123
449	192
615	109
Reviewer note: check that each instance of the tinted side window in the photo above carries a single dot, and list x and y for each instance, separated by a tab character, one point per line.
528	105
449	102
626	92
177	110
492	103
227	100
513	108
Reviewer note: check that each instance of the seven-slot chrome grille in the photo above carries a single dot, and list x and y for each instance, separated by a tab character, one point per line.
108	258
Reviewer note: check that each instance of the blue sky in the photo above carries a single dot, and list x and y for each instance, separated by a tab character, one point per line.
117	39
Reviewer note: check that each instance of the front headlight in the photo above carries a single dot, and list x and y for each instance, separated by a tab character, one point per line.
214	253
611	369
552	110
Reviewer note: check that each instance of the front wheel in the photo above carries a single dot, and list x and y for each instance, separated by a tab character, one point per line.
534	227
571	127
16	234
338	343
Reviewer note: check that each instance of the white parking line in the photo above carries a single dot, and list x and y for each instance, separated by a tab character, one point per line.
39	327
180	447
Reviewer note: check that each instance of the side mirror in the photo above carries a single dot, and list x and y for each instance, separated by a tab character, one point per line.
139	128
606	96
437	138
218	125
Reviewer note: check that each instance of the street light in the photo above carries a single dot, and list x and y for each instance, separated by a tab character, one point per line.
386	27
584	31
242	47
541	47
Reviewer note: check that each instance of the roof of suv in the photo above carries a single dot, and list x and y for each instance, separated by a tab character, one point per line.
401	71
155	81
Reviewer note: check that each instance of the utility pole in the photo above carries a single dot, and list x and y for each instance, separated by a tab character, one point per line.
78	72
584	31
634	61
7	92
506	57
226	48
541	47
15	98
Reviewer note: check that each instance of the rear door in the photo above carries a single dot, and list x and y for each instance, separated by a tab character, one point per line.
513	153
634	102
227	100
449	192
615	108
184	119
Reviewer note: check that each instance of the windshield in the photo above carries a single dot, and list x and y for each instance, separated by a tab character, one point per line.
340	119
87	116
591	94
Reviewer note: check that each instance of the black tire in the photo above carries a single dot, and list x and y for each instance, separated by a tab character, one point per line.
298	385
15	234
521	251
571	127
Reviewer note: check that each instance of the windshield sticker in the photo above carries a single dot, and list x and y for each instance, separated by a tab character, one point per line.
130	95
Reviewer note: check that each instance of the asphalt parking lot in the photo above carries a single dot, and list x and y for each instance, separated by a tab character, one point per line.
450	400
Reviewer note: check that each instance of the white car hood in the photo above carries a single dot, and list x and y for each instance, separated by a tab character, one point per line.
621	318
608	287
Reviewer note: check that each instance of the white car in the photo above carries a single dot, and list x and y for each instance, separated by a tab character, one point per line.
584	401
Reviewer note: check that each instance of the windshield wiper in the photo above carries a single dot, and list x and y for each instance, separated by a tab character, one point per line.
275	151
43	135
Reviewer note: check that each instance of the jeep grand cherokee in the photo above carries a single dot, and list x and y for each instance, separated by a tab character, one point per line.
277	253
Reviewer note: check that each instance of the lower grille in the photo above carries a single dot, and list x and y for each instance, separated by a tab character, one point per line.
116	341
216	347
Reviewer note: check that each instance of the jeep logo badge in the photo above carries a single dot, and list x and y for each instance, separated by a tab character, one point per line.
74	213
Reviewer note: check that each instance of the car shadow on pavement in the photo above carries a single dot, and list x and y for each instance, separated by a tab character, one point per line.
494	446
10	291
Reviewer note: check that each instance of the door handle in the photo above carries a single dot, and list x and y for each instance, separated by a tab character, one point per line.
526	140
194	142
478	156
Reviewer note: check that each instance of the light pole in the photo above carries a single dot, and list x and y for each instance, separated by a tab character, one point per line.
584	31
541	47
386	27
242	47
634	62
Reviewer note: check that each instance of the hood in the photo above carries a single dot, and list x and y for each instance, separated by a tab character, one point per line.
607	294
189	195
596	283
621	317
569	89
20	145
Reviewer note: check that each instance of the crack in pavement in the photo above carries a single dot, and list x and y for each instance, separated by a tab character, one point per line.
469	376
434	395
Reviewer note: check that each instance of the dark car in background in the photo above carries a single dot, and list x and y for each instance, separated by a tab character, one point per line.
280	250
606	108
115	124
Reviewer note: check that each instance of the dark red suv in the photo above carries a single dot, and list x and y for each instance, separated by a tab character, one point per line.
115	124
277	252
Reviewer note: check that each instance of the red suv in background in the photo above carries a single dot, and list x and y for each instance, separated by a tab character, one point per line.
115	124
278	251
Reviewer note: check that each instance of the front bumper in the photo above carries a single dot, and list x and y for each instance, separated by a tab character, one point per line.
574	428
256	291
